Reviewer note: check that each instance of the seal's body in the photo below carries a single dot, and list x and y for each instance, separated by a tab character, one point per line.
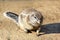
29	19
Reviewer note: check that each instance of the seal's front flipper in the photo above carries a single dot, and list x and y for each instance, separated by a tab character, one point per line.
11	16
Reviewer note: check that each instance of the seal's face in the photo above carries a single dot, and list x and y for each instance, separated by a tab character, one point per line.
35	19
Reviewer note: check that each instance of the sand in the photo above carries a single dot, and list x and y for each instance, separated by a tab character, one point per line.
50	9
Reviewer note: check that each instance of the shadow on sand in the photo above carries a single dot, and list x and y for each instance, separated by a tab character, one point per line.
51	28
